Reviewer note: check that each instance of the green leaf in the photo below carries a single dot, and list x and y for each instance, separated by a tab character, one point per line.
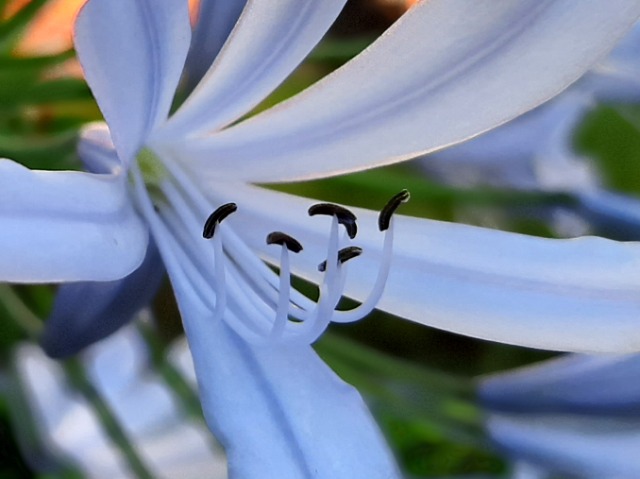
611	137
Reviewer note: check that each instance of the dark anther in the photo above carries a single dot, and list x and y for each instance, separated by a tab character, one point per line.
344	255
390	208
345	217
216	217
283	239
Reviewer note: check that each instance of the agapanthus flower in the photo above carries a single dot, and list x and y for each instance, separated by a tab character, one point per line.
446	71
577	415
170	444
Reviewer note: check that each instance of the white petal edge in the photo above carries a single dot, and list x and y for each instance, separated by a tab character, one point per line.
67	226
132	54
578	295
587	447
268	42
448	70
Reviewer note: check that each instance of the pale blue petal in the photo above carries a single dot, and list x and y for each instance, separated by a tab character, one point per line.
448	70
592	448
132	54
216	19
86	312
578	295
268	42
579	384
67	226
279	410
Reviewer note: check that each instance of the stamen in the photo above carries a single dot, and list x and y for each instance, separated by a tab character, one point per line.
330	293
282	308
392	205
345	217
283	239
385	222
216	217
263	307
344	255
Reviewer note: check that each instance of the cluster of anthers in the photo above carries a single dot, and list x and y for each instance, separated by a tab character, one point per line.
263	307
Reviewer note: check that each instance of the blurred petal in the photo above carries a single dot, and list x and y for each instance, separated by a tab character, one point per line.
586	447
96	150
572	384
447	70
66	423
84	313
216	19
66	226
268	42
171	445
280	411
132	54
575	295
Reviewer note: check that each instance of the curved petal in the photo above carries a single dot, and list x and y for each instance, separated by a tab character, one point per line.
132	54
84	313
311	423
67	226
586	447
216	19
576	295
448	70
576	384
268	42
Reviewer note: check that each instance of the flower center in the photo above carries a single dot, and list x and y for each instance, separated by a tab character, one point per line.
276	312
224	278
